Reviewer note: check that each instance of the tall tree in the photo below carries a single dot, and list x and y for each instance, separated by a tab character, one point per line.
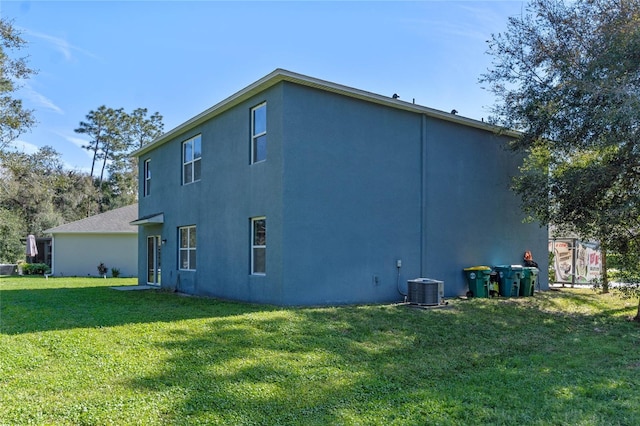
115	141
144	129
104	127
96	127
567	75
114	135
123	169
14	118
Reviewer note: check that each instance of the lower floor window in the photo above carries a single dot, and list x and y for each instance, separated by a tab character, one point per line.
258	245
187	248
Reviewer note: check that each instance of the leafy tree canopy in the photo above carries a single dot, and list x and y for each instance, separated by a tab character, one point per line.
113	134
567	75
11	231
14	118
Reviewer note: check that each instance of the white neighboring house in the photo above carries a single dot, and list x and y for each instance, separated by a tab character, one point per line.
79	247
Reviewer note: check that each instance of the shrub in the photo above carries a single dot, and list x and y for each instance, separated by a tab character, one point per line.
115	272
102	269
35	268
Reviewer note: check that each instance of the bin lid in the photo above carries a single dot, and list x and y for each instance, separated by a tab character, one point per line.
478	268
512	267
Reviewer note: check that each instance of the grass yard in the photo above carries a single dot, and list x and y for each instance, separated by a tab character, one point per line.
74	351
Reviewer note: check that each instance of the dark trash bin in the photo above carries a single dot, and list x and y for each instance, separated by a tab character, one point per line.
478	279
509	279
528	280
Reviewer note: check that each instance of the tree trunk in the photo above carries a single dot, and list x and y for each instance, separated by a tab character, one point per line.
95	156
104	163
637	317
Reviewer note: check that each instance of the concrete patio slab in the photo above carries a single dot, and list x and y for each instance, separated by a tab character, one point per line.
134	287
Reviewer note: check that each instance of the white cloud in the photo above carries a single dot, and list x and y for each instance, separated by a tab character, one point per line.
78	142
38	99
490	20
442	28
61	45
23	146
29	148
473	22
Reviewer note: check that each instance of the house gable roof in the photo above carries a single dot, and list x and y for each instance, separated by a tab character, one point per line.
280	75
115	221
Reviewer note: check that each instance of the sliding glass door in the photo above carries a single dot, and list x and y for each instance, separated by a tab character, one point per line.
153	259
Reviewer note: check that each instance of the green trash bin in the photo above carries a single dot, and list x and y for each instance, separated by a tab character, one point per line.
478	281
509	279
528	280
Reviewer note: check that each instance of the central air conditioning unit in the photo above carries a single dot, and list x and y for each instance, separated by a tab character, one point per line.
425	291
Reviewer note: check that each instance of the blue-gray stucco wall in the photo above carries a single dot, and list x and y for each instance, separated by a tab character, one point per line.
220	205
349	187
352	190
472	216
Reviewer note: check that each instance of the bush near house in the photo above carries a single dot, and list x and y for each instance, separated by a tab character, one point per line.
35	268
102	269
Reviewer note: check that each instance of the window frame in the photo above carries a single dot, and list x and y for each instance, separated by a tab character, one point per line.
255	246
190	250
191	161
147	177
256	136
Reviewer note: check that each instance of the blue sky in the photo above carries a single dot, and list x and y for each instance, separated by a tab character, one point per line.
180	58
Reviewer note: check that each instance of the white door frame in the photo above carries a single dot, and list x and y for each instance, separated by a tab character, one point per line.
153	260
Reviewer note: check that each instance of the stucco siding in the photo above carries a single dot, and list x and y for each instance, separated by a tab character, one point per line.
80	254
472	216
352	198
231	192
349	188
367	185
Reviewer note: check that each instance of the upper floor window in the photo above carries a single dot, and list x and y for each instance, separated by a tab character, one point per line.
258	245
191	154
187	248
259	133
147	177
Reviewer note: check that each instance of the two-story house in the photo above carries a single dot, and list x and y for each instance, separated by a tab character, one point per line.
299	191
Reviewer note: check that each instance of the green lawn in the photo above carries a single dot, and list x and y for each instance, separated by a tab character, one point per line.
74	351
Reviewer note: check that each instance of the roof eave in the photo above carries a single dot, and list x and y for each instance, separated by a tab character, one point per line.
54	232
228	103
280	75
